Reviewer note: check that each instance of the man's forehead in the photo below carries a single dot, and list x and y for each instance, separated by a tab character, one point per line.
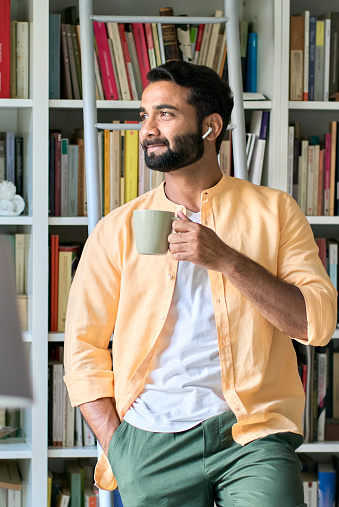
164	93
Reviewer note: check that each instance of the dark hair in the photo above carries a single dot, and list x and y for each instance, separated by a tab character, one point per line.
208	92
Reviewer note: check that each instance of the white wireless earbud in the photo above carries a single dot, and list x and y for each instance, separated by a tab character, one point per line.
207	132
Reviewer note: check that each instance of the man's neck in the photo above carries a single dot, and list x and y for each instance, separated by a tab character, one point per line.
184	186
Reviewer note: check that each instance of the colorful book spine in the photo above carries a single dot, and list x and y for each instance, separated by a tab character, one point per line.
251	72
131	164
106	66
311	68
5	53
142	53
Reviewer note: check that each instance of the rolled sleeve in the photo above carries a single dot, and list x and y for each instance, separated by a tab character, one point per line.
299	264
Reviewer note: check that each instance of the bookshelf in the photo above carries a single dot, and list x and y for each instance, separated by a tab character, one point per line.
32	118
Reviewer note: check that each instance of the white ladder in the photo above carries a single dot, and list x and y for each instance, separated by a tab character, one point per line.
90	110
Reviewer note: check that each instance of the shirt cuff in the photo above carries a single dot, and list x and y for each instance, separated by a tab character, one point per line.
85	386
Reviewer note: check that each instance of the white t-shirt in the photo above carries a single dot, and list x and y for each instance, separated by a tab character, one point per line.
184	384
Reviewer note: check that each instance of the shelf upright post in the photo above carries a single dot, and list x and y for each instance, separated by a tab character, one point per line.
89	113
236	85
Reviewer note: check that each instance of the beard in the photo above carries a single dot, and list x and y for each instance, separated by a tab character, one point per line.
187	149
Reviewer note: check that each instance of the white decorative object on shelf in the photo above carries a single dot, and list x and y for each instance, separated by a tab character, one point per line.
11	204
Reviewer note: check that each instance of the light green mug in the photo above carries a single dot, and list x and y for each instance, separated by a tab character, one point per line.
151	230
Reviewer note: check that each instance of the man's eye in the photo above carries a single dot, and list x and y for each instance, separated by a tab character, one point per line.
143	117
165	113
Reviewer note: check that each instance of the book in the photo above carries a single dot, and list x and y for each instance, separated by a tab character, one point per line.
326	485
251	70
311	63
5	53
327	42
259	126
322	383
141	50
73	172
10	476
169	35
89	498
306	16
150	45
128	63
310	486
316	160
333	167
54	56
335	385
131	164
243	28
68	261
67	92
319	60
115	164
297	27
303	169
134	59
2	159
64	177
70	423
113	33
75	475
310	181
327	175
64	498
14	498
106	178
13	59
198	43
212	46
78	437
184	42
106	66
20	262
72	63
204	44
19	157
156	43
77	55
161	43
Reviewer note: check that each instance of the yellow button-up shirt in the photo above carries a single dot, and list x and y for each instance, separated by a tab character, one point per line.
116	289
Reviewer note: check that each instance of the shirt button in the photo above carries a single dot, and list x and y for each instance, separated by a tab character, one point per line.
170	277
218	301
223	342
162	317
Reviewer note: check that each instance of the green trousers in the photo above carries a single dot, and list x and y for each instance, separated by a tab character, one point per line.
203	466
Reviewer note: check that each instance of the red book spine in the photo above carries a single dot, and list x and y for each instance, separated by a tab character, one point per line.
140	42
327	183
198	43
126	54
5	49
54	282
106	67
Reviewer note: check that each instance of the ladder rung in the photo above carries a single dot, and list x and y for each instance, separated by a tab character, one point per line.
118	126
177	20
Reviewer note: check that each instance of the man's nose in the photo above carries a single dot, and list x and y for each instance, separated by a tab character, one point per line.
149	128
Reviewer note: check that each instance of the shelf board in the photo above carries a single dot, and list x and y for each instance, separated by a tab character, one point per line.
135	104
319	447
56	337
20	220
14	448
314	106
16	103
68	221
73	452
323	220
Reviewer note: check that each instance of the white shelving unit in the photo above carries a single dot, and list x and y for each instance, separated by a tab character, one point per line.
32	118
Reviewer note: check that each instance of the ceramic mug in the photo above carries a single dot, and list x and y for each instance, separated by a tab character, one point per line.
151	230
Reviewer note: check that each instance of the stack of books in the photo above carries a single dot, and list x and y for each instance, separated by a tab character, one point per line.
314	57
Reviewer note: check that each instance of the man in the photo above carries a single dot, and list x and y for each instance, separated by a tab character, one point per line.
206	403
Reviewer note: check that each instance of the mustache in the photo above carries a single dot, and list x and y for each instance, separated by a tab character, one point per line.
155	140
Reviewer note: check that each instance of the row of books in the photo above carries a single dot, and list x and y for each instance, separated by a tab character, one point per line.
66	425
314	57
63	263
124	53
319	369
14	60
320	485
10	484
73	486
11	159
122	171
313	170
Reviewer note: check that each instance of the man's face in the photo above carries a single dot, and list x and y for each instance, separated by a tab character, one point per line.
170	136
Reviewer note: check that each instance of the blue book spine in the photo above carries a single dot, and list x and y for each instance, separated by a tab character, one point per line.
251	74
54	56
313	22
326	488
264	125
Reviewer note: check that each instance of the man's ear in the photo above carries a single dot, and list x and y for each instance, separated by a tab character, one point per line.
213	125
